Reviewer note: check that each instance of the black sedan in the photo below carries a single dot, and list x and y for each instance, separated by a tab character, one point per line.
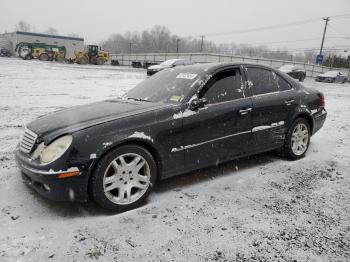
179	120
294	71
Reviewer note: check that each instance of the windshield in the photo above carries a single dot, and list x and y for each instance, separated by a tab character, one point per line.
167	86
169	62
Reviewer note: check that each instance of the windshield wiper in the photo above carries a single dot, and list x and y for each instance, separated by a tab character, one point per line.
139	99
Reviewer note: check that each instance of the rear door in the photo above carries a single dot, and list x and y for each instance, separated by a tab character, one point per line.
274	101
222	129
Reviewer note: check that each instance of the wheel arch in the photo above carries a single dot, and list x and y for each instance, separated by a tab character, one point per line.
308	118
139	142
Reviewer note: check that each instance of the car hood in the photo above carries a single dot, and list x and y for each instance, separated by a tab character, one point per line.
328	75
69	120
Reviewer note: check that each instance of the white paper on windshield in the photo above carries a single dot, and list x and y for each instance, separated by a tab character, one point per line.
186	76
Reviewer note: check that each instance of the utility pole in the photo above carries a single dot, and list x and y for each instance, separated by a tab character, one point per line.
177	45
130	47
324	33
202	37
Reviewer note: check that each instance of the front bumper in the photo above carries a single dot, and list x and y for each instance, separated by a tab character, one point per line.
48	184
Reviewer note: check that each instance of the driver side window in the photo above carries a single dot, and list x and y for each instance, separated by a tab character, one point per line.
224	86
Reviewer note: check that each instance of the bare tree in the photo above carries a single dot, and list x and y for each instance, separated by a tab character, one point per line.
160	39
23	26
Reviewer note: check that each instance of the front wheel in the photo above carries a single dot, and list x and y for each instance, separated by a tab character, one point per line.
124	178
297	140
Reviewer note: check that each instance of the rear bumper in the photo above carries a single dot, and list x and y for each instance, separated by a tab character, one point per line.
48	184
319	119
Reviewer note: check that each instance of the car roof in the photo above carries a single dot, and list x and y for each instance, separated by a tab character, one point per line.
216	66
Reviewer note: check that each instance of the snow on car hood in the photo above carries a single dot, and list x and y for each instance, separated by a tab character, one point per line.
329	74
80	117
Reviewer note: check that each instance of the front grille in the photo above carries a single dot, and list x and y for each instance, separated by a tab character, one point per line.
27	141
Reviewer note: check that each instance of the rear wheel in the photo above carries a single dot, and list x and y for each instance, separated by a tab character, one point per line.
297	140
123	178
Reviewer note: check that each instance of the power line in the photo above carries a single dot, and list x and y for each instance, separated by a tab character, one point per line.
338	32
263	28
297	40
340	16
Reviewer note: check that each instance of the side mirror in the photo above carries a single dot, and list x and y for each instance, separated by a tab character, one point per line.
197	103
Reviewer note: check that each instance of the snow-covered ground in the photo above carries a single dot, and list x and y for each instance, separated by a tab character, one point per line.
261	208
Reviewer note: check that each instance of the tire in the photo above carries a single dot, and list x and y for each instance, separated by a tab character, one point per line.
44	57
83	60
100	61
59	59
117	186
290	149
301	78
93	60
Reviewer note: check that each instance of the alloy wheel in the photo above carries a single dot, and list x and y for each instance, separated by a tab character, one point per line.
300	139
126	179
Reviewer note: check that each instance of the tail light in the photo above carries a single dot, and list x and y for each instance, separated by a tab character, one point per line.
322	102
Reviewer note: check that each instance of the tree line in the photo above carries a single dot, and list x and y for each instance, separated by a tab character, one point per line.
159	39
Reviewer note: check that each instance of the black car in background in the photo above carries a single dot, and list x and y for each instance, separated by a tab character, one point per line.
151	70
5	52
179	120
332	77
294	71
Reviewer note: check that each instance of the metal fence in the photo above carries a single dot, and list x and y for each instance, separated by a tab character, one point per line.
312	70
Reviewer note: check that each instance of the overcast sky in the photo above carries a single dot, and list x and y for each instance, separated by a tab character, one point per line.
96	20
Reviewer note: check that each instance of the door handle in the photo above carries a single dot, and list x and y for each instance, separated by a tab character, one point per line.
245	111
289	102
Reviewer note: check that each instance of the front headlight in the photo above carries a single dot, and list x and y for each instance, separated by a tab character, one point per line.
54	150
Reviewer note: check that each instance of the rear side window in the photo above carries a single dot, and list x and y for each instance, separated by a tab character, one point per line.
263	80
224	86
283	85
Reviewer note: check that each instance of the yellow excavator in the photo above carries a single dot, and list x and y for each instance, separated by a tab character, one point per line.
93	55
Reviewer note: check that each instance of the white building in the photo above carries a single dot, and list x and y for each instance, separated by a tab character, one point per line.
10	40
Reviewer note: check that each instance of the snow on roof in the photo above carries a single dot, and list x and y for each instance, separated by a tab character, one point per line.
51	36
